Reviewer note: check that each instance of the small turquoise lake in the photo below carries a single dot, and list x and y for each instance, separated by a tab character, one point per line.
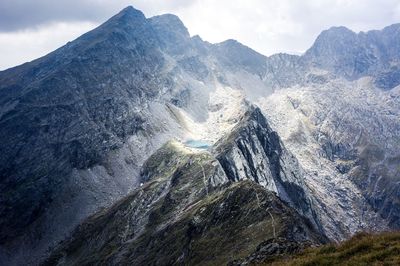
197	144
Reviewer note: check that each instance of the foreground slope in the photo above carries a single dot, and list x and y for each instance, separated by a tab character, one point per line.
362	249
189	211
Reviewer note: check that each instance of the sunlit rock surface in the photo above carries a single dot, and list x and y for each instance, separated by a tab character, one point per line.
77	126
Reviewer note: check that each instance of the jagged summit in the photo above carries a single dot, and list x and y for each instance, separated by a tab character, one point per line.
337	30
129	12
353	55
172	33
78	125
235	54
232	44
394	28
332	40
170	21
128	20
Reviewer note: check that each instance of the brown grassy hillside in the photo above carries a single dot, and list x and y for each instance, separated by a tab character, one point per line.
362	249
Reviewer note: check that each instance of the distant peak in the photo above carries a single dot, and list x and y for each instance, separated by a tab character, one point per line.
197	37
339	29
129	9
168	17
333	37
170	22
234	44
392	28
128	14
230	42
128	22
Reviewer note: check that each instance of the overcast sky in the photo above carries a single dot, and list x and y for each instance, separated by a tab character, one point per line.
32	28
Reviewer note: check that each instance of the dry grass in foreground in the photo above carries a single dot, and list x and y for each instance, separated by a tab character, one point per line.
362	249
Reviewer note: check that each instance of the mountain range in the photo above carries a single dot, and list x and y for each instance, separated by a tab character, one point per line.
138	144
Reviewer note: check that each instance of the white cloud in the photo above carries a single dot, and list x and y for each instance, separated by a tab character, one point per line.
271	26
268	26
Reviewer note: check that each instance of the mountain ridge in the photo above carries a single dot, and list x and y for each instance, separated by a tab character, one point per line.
92	112
208	184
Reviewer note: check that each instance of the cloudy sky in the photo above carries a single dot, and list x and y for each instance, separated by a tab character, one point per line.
32	28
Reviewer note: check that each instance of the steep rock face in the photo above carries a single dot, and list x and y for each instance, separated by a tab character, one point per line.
379	181
184	215
283	71
78	124
345	135
74	127
351	55
254	151
331	50
172	33
233	54
341	120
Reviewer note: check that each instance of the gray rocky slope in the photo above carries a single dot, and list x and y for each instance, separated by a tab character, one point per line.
192	210
77	125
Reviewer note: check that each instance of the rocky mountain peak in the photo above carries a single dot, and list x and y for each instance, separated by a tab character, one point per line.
337	31
172	33
394	28
233	45
353	55
129	29
331	42
234	54
128	15
344	52
170	22
85	125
